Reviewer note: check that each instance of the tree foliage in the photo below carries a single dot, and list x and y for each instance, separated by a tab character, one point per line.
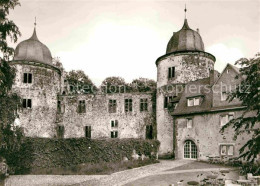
114	85
80	83
9	102
8	29
248	93
143	85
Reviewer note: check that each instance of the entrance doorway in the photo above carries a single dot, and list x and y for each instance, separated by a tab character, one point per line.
190	150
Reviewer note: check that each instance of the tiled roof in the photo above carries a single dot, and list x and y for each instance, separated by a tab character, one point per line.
200	88
203	89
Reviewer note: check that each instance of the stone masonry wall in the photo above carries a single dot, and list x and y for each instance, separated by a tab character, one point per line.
39	121
130	124
205	134
188	67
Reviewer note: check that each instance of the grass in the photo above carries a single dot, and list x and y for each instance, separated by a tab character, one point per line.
101	168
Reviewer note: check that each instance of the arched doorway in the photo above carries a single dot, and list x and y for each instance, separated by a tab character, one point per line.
190	150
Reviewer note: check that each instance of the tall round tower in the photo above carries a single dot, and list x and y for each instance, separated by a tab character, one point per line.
185	60
37	82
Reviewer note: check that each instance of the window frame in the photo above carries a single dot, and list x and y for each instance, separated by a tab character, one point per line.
114	123
227	116
112	105
171	72
192	100
149	132
81	106
60	131
26	78
228	146
128	105
143	105
88	131
60	107
27	102
187	122
114	134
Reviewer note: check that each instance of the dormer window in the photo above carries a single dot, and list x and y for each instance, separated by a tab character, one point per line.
193	101
171	72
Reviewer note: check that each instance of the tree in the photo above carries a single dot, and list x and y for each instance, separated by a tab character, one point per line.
114	85
143	85
8	29
10	102
80	83
248	93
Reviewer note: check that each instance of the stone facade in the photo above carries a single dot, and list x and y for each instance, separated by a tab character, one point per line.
185	121
206	136
188	67
38	120
130	124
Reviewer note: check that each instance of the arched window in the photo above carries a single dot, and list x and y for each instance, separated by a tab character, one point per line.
190	150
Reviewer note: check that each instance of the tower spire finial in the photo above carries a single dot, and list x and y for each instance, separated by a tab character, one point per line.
35	21
185	10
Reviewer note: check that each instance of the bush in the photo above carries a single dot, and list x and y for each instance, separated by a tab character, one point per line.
250	168
54	153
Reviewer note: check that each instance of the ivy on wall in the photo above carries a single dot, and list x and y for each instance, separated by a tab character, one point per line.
51	153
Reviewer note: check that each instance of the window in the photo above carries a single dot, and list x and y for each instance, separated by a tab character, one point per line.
143	105
227	150
193	101
114	123
189	123
27	103
128	105
27	78
114	134
60	131
82	106
190	150
112	106
224	96
171	72
196	101
224	119
60	107
169	102
88	131
149	132
165	102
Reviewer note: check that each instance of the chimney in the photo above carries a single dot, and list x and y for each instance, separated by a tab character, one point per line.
198	30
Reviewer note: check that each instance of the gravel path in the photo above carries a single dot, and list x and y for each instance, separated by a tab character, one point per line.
123	177
165	167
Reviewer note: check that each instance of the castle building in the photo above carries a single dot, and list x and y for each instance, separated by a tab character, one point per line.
187	120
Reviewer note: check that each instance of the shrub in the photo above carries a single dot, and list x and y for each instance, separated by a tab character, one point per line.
54	153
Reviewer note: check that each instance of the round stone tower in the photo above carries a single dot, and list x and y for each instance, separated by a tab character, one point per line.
185	60
38	82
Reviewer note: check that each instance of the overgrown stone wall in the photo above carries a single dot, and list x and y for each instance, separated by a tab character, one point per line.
38	121
37	153
130	124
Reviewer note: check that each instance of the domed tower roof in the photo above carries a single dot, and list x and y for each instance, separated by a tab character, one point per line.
33	50
185	39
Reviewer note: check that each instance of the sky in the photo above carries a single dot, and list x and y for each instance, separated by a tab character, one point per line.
124	38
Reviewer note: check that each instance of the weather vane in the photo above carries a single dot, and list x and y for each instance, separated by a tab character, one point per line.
185	10
35	22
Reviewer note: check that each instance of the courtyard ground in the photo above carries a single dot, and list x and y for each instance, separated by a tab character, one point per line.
164	173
